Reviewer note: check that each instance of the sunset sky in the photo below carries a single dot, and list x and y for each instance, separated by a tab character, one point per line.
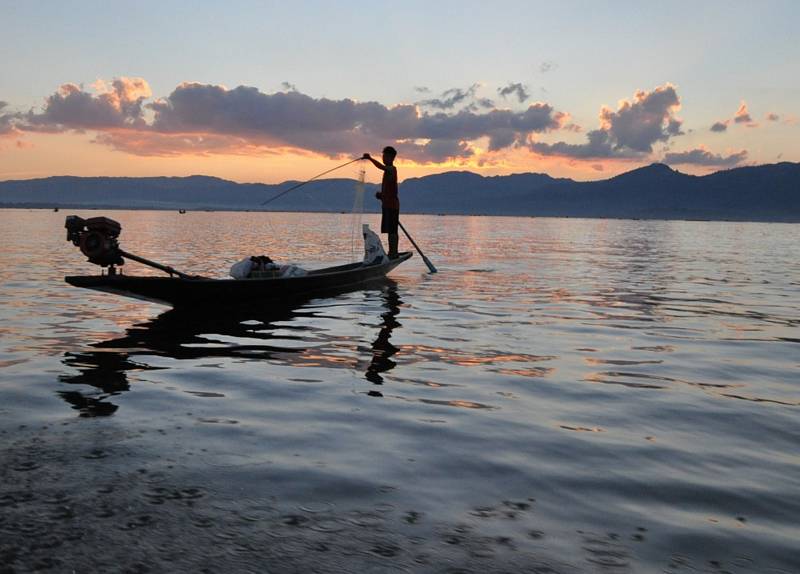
271	91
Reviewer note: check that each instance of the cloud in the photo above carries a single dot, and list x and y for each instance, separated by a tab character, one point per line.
720	126
772	117
514	89
648	119
7	121
117	105
480	104
437	150
742	115
206	119
336	127
129	89
422	89
538	117
149	143
630	131
7	128
702	156
288	87
451	98
547	66
598	146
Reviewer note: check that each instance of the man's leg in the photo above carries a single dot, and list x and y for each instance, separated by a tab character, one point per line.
393	238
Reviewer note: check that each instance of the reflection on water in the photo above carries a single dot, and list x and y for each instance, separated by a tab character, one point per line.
563	396
103	371
382	348
256	333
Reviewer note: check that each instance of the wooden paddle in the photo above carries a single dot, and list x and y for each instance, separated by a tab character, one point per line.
427	261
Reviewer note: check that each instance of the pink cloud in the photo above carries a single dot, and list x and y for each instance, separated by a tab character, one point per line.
208	119
742	116
124	89
72	108
630	131
150	143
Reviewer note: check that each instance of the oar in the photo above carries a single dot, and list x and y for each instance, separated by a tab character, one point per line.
427	261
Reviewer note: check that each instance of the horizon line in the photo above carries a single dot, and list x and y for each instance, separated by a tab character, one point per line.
655	163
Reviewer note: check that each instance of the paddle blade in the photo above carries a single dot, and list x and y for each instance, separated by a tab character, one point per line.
431	268
427	261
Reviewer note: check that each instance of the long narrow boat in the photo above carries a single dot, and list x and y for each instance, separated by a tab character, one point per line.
98	240
187	291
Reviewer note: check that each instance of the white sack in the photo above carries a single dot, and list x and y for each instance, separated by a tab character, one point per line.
241	270
373	249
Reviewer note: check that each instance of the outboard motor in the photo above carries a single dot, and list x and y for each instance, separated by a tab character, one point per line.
97	239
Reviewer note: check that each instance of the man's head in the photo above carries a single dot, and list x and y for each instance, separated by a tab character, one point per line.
389	153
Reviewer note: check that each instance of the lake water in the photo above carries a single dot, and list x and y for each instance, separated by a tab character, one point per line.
564	395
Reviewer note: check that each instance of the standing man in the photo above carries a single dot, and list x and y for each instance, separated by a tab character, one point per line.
388	196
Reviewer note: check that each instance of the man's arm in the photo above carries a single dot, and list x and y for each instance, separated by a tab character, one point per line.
375	162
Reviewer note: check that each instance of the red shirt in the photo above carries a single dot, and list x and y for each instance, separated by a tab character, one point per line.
389	196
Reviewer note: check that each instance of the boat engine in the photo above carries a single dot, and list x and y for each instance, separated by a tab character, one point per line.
97	239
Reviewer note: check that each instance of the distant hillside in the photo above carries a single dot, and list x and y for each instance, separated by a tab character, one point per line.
760	193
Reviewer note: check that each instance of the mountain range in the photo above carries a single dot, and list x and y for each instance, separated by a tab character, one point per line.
757	193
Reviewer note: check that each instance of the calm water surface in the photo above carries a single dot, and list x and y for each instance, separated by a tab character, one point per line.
564	396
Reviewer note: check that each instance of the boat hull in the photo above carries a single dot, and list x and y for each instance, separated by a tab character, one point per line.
179	292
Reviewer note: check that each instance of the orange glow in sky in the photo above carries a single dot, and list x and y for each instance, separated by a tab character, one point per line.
45	155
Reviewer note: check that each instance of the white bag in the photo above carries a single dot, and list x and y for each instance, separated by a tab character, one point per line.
373	249
292	271
241	270
249	269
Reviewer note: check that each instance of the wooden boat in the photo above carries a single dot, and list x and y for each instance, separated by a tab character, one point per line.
184	290
98	240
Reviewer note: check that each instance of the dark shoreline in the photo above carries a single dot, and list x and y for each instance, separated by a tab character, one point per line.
764	193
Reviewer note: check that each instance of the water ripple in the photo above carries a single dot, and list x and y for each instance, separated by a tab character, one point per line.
564	396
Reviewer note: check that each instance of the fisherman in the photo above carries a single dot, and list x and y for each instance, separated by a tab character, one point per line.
388	195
